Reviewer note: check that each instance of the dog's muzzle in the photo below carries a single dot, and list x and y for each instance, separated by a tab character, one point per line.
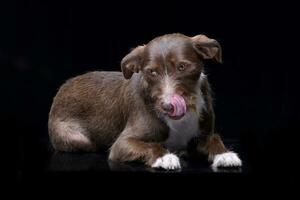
176	108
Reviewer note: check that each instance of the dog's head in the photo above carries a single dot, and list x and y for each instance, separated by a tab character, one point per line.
170	67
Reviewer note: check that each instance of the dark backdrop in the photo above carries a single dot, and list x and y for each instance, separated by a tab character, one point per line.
44	43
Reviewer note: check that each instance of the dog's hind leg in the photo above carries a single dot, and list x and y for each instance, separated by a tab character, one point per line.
69	136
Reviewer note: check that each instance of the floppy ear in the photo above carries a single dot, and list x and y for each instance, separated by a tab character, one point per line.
207	48
132	62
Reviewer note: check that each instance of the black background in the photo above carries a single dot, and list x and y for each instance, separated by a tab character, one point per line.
43	43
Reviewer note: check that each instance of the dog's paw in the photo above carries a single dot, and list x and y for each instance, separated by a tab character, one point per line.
168	161
228	159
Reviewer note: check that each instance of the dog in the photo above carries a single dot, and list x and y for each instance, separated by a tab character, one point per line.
155	107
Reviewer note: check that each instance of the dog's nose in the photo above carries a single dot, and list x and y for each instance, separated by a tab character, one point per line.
168	107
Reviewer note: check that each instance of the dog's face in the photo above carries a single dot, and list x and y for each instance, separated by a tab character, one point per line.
170	66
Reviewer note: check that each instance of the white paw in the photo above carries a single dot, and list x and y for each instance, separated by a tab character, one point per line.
168	161
229	159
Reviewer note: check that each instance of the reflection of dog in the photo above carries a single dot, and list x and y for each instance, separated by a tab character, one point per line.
162	104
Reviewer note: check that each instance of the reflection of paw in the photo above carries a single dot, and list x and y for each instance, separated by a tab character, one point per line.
228	159
168	161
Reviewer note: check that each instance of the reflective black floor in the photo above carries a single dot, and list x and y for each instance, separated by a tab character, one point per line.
70	173
93	170
98	162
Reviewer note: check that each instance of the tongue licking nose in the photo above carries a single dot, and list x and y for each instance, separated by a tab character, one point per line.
179	106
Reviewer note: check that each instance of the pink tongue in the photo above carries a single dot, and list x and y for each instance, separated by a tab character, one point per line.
179	105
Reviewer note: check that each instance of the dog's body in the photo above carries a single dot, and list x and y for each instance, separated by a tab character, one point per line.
160	109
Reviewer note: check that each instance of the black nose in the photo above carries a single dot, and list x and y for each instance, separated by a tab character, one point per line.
168	107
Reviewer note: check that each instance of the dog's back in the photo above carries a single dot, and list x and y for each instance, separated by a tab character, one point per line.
85	113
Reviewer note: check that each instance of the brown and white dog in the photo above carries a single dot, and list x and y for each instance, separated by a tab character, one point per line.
162	104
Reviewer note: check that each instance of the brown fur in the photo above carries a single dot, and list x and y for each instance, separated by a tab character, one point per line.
103	110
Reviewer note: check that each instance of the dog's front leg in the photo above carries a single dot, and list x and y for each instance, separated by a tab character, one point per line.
210	143
130	148
218	154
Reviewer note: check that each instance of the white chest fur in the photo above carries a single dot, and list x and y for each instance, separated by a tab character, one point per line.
183	130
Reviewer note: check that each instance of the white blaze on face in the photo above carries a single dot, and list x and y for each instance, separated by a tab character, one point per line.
169	96
168	89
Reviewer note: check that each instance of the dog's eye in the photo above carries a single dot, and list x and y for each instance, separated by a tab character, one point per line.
182	67
152	72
